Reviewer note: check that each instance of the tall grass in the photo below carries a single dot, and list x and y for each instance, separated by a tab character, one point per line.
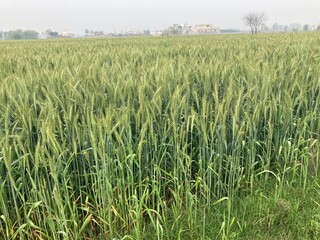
101	138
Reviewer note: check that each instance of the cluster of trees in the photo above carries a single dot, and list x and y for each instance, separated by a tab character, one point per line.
19	34
93	33
256	21
307	27
52	34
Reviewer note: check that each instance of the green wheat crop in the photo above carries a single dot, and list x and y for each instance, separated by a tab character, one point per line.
101	138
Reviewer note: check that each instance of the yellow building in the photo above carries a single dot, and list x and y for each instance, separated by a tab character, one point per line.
206	28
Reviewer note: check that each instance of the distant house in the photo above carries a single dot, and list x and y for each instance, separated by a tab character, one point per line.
156	33
66	34
206	28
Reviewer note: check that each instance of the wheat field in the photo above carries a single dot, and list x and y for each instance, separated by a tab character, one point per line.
105	138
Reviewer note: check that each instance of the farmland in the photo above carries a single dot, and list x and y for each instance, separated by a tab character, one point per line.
160	138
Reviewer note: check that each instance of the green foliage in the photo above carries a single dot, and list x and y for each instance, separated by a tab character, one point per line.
16	35
20	34
30	34
105	138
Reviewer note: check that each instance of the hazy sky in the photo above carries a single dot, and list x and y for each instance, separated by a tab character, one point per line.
116	15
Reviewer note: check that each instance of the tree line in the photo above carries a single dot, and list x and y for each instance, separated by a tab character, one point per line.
19	34
256	21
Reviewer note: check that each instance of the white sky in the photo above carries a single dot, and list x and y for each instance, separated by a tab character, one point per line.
117	15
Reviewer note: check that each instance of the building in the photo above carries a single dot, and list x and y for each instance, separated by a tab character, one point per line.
156	33
206	28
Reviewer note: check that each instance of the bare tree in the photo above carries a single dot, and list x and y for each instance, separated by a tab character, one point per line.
255	20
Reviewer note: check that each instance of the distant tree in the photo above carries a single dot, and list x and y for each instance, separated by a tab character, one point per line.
30	34
86	32
146	32
255	20
318	28
174	31
53	34
19	34
15	35
48	31
98	33
306	27
275	27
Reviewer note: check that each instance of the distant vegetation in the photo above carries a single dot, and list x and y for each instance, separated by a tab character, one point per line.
19	35
212	137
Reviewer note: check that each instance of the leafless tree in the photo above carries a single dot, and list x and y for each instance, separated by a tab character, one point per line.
255	20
